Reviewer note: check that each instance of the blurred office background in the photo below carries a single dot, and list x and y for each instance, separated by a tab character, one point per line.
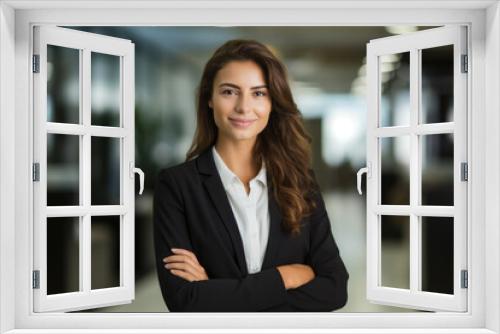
327	68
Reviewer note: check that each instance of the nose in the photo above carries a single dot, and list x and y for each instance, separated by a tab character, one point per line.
244	103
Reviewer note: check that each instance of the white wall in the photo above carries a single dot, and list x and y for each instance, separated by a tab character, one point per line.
7	184
492	212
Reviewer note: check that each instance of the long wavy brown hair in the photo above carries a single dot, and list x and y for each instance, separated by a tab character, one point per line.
283	144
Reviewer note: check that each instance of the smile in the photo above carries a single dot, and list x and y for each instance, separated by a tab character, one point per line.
241	123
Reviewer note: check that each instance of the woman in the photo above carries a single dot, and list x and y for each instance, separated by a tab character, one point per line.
241	225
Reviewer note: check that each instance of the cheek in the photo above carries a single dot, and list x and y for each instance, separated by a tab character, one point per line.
223	103
264	120
220	109
217	116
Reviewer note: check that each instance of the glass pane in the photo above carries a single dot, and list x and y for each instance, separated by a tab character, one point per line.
437	84
63	84
105	252
63	255
395	251
394	73
437	254
437	169
395	170
63	178
106	94
105	171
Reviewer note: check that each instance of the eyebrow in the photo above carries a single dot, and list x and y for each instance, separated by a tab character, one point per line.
236	86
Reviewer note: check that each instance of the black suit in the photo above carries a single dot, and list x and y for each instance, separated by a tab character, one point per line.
192	211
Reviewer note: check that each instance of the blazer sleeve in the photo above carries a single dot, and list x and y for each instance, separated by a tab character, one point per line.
328	290
255	292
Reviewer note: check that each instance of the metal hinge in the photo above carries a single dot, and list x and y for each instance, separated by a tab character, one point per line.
36	171
465	67
464	279
464	175
36	279
36	63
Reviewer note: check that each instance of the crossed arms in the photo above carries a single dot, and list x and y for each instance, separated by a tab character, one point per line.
318	285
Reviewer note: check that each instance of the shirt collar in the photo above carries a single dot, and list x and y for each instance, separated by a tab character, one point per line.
228	177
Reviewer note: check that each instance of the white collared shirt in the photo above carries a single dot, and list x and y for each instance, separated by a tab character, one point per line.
250	210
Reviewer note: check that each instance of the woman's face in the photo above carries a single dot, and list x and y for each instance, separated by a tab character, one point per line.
240	101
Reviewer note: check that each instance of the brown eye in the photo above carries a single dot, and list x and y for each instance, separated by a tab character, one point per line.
261	92
226	91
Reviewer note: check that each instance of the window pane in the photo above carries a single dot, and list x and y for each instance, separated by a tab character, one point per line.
437	169
395	170
437	254
63	156
105	252
106	93
395	251
105	171
63	255
437	84
63	84
394	73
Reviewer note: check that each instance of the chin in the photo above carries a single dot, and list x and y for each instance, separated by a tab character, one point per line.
242	136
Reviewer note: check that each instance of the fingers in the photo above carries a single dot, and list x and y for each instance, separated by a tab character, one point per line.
185	264
183	268
185	252
187	276
300	274
188	260
181	258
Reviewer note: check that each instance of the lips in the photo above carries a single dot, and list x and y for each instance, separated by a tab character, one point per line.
241	122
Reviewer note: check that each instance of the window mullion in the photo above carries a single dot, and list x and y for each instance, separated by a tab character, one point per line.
85	237
414	170
124	174
127	145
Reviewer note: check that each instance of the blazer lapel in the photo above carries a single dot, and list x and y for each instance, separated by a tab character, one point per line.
274	230
218	196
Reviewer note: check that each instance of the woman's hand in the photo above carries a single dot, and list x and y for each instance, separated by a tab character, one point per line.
185	264
295	275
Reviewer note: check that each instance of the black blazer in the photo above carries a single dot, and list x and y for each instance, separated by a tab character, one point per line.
192	211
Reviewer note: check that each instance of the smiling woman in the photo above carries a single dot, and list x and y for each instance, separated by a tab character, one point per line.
240	106
241	225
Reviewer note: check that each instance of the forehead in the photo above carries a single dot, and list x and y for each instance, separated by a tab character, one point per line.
243	73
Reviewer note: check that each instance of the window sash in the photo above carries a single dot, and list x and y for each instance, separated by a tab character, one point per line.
414	297
86	297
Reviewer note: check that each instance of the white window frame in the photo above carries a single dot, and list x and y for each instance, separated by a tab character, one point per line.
415	43
17	18
86	43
